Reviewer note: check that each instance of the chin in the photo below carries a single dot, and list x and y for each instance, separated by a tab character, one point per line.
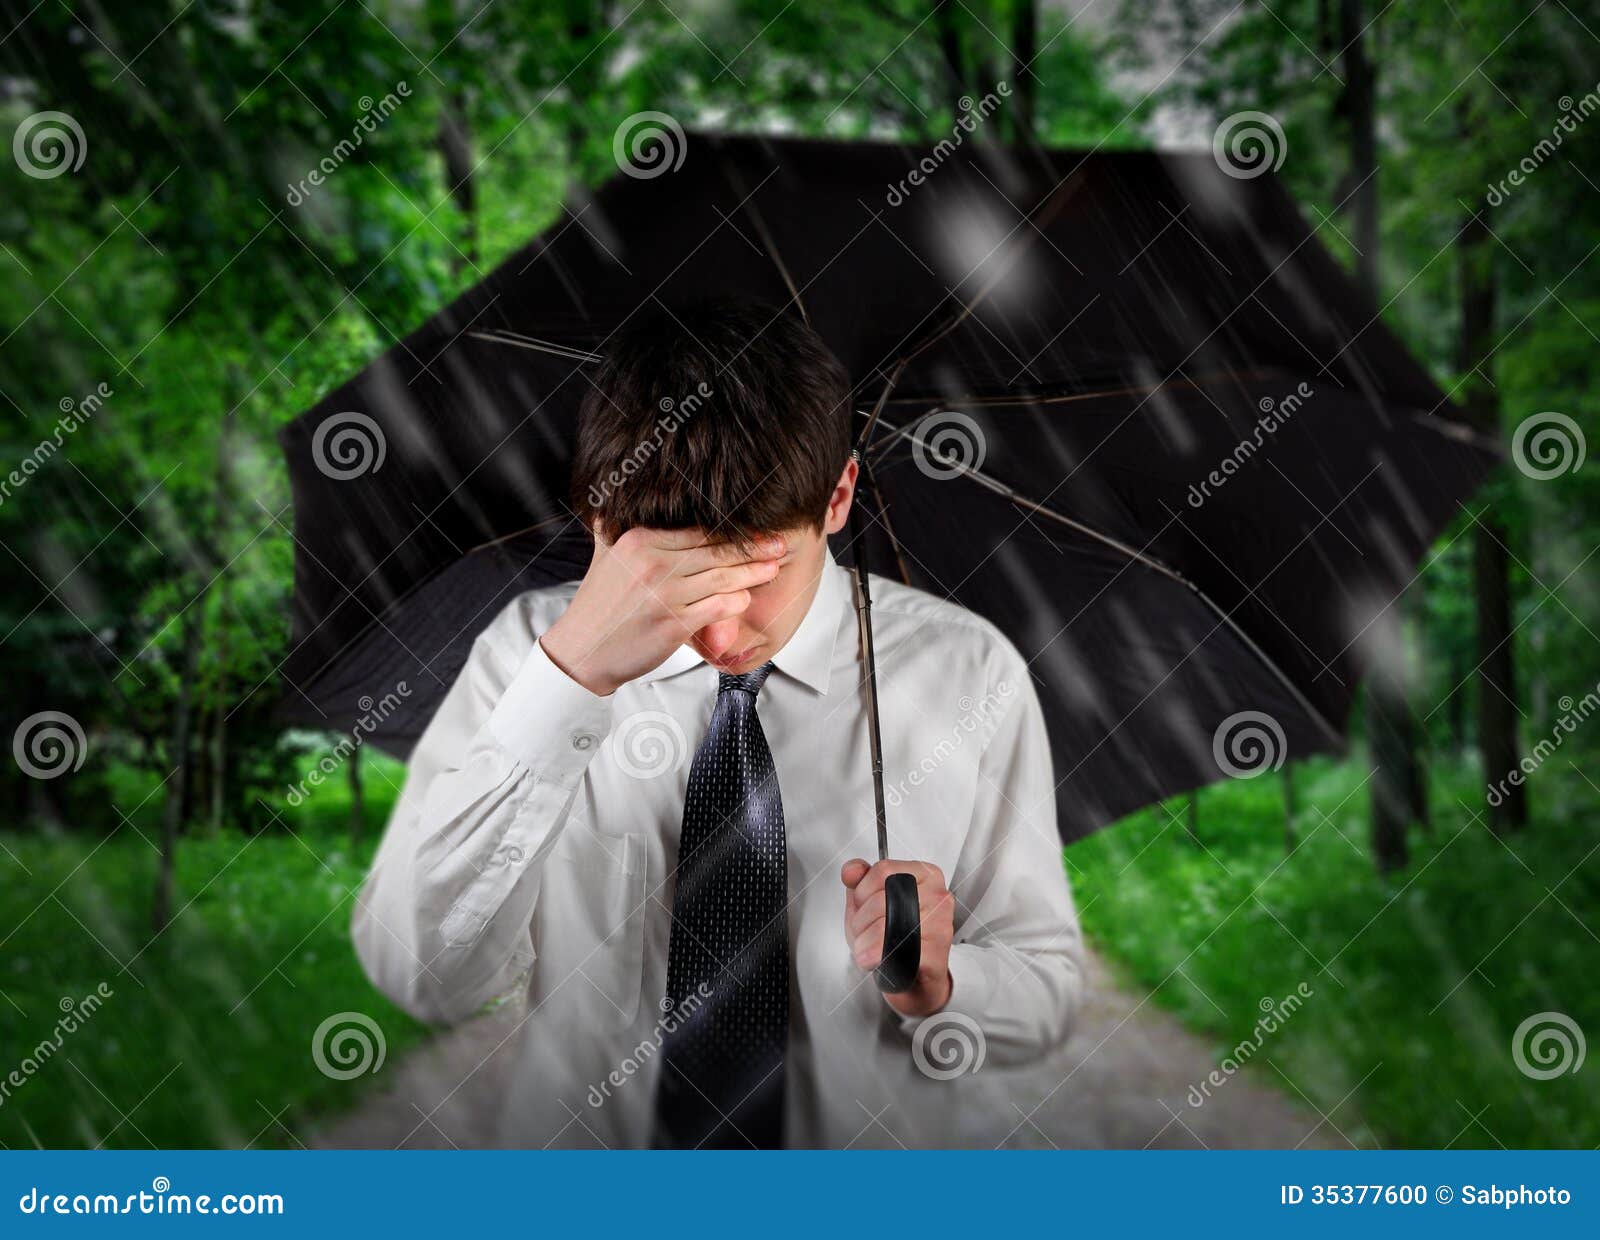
748	662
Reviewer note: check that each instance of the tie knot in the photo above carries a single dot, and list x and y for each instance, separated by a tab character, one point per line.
750	682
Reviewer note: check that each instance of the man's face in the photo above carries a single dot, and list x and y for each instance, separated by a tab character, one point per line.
778	606
776	609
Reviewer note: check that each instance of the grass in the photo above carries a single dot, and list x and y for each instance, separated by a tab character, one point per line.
1418	981
206	1036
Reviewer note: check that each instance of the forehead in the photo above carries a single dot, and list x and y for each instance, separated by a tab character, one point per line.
796	540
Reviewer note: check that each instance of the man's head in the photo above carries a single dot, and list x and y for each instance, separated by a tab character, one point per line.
733	419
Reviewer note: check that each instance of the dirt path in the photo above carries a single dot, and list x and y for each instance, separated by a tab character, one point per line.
1126	1076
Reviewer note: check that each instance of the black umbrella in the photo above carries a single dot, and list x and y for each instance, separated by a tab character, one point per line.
1124	404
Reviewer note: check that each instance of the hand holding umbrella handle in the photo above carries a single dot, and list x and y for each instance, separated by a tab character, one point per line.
902	935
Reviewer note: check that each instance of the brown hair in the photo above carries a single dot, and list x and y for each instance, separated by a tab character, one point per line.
726	415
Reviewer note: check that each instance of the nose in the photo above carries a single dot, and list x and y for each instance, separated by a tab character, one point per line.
717	639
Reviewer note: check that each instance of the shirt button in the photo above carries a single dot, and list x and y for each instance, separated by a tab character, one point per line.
583	741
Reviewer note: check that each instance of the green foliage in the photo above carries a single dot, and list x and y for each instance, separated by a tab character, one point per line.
265	207
205	1038
1417	982
191	273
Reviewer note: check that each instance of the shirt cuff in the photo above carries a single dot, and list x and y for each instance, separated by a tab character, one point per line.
549	722
972	984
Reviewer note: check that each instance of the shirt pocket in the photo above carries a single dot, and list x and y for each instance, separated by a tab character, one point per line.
588	927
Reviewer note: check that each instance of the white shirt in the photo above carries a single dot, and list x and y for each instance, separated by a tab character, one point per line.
532	850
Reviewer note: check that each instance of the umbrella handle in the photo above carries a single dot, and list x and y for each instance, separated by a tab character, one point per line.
902	935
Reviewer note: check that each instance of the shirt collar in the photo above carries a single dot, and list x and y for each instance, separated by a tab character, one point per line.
808	655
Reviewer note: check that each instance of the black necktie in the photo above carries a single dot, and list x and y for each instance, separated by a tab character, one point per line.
727	1009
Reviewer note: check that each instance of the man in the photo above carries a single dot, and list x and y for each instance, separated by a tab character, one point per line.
646	805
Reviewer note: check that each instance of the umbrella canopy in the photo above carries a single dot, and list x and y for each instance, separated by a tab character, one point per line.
1123	404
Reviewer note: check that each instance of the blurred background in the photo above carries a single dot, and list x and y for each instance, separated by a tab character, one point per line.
213	213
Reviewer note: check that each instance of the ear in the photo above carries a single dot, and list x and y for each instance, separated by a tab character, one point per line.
843	495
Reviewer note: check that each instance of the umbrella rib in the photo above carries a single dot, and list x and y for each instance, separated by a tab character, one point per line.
1070	397
877	407
1051	208
1430	418
1133	553
883	515
767	241
520	341
777	259
527	529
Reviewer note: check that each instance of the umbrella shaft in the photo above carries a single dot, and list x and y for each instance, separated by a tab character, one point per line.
864	628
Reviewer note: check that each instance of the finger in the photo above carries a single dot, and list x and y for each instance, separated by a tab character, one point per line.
723	580
932	902
703	555
670	540
938	902
922	871
710	610
853	872
862	915
866	948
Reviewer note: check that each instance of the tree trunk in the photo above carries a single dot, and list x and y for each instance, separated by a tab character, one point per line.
357	811
219	733
1288	808
1455	705
455	144
454	137
1389	739
1497	685
1497	714
1391	788
178	786
216	737
955	72
1024	48
1413	608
